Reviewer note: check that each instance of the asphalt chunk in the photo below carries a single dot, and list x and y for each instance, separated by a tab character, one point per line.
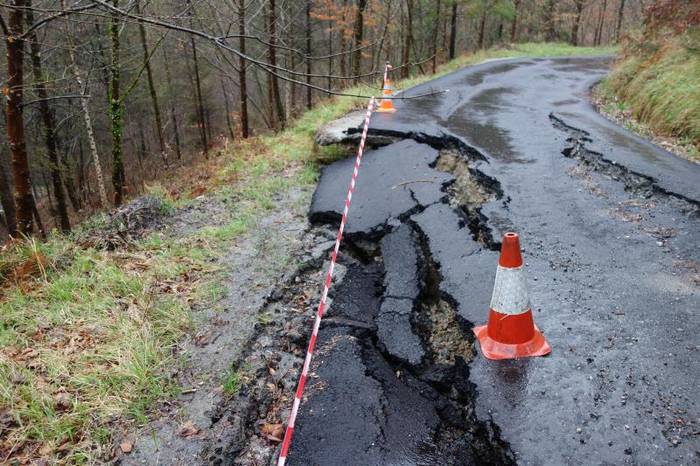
395	180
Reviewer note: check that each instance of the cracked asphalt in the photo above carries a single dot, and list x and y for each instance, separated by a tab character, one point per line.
609	225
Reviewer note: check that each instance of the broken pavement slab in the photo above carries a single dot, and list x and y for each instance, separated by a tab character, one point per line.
346	130
395	180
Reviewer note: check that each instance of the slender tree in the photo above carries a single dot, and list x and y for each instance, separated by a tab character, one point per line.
274	96
453	30
358	35
14	39
86	114
407	40
620	15
578	4
49	119
436	31
242	84
601	22
151	85
173	114
307	31
116	108
550	32
514	23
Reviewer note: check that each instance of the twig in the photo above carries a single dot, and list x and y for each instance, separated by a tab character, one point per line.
412	181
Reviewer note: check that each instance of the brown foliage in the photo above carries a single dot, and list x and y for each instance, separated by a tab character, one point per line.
677	15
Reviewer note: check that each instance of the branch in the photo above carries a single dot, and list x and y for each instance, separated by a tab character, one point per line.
55	97
267	67
143	67
41	22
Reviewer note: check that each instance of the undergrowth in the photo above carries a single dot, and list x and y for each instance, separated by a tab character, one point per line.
657	83
88	335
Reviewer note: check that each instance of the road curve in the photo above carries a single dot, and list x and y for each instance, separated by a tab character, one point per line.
610	229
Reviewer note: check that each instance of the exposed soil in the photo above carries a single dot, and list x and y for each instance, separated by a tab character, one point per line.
186	426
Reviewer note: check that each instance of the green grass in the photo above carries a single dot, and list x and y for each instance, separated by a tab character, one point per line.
99	328
659	86
232	382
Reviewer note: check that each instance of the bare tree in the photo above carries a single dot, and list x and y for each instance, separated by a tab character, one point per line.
358	34
578	4
514	24
242	85
116	108
151	85
49	120
14	38
407	40
274	96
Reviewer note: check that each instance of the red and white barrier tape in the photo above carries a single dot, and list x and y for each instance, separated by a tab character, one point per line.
326	286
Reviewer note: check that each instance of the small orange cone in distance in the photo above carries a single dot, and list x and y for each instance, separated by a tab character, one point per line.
386	105
511	332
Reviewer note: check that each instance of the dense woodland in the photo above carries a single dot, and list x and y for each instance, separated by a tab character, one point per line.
103	96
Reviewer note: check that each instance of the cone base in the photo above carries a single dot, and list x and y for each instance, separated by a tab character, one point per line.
492	349
385	110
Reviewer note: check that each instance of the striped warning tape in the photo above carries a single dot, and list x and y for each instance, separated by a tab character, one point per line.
322	304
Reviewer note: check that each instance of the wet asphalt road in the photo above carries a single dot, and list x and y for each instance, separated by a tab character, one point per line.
610	230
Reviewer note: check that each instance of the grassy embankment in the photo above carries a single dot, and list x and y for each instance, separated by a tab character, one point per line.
654	90
87	334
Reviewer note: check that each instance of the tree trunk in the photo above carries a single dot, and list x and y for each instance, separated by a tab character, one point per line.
227	107
601	21
242	84
550	15
330	49
7	200
358	35
199	102
620	14
577	22
67	170
343	43
307	28
49	119
37	219
173	115
407	41
151	84
272	81
86	114
436	30
453	31
24	201
514	24
482	25
116	109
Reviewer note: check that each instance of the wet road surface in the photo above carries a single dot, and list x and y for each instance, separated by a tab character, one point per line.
610	227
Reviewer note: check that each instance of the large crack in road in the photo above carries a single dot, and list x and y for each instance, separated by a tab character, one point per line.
610	229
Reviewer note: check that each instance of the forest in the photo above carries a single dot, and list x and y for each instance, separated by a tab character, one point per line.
102	97
162	244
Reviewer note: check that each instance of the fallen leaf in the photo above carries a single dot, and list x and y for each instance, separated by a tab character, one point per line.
188	429
62	401
273	432
126	446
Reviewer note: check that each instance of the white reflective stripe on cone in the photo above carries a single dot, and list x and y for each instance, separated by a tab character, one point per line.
510	291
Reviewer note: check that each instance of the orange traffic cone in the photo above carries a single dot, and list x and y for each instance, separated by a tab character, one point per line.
386	105
511	332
